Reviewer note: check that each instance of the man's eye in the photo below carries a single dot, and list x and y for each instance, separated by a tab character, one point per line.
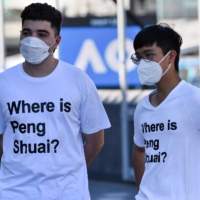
25	33
147	55
42	35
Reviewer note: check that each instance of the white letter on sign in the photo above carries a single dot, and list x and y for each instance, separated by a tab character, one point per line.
89	53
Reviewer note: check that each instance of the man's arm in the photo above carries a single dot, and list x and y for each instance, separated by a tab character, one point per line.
93	143
138	163
1	146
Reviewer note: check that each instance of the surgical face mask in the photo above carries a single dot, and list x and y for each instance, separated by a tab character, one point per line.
151	72
34	50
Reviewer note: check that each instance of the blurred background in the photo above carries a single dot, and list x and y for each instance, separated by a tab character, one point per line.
97	36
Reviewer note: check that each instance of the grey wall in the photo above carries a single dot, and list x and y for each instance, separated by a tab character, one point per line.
107	165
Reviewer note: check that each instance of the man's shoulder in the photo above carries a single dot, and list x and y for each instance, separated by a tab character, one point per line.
9	72
71	68
74	71
146	96
189	89
190	94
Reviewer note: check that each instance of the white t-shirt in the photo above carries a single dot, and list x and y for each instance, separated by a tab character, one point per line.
42	120
170	134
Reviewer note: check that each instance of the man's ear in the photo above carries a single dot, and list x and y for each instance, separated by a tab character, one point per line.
172	56
57	42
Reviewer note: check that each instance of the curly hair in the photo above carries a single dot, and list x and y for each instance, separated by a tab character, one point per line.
39	11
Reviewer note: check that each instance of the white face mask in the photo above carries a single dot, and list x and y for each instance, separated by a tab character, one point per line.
151	72
34	50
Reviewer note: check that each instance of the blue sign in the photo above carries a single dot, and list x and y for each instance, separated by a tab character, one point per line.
95	50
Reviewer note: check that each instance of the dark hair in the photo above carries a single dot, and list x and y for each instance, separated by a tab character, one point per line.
39	11
164	37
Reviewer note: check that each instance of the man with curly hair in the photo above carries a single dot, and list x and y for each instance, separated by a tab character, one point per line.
51	118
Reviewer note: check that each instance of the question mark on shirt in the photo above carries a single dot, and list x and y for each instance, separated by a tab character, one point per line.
57	143
165	155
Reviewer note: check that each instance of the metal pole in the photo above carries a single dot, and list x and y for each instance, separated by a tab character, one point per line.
2	44
159	10
57	52
123	85
198	70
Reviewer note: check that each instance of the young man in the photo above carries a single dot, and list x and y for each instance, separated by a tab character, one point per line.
46	107
166	122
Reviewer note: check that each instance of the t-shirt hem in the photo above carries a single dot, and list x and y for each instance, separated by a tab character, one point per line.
139	144
94	130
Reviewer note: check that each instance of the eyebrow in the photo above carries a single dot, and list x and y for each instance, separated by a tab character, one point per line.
25	29
40	30
147	50
45	31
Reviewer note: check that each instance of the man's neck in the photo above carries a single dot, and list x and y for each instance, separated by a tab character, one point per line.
163	89
41	70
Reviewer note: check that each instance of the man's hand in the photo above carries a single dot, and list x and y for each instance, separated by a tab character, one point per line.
138	163
93	143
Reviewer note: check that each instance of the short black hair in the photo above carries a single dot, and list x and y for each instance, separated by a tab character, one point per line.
164	37
39	11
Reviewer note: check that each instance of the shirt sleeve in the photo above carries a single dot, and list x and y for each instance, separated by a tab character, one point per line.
93	115
138	135
2	122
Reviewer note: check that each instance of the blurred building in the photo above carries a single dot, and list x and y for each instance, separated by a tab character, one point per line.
177	9
138	12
